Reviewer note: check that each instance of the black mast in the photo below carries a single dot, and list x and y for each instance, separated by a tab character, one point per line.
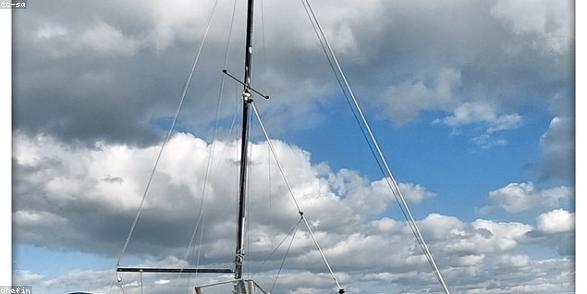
240	238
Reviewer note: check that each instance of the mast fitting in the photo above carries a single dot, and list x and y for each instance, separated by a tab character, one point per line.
247	96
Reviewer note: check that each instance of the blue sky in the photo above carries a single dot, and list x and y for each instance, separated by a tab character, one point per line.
471	101
456	168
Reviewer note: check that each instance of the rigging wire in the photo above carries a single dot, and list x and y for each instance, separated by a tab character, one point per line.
321	252
394	190
293	236
294	227
218	107
269	184
303	217
264	53
373	144
168	136
122	289
233	122
112	283
265	66
166	140
352	109
198	231
295	201
378	154
348	98
340	83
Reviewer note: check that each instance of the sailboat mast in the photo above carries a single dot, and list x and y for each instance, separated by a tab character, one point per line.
240	238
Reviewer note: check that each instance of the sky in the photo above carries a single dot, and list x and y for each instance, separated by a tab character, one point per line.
471	101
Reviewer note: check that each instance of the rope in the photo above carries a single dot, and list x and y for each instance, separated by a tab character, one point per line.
214	136
321	253
356	116
293	196
167	138
270	188
281	171
284	257
236	100
376	155
122	288
264	53
279	245
352	109
340	83
112	283
348	98
197	233
391	182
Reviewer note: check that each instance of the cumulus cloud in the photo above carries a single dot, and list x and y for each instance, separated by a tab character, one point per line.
415	192
110	72
111	178
489	236
106	39
494	278
518	197
542	24
515	260
486	115
406	100
556	221
480	112
141	54
558	149
373	197
66	199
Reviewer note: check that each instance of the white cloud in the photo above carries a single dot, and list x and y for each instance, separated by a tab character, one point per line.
49	31
92	193
439	226
415	193
371	198
557	149
32	217
438	66
482	112
406	100
488	236
93	212
518	197
109	180
485	114
488	141
518	275
100	38
556	221
518	260
469	260
546	24
106	39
